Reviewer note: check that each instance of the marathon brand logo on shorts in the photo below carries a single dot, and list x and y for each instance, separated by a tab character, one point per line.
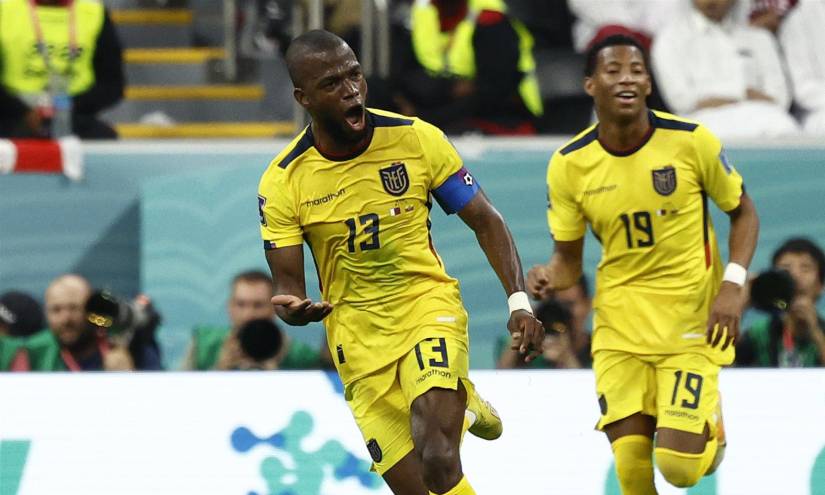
261	204
375	450
395	179
664	180
432	372
681	414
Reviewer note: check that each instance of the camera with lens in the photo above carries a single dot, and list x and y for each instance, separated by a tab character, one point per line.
772	291
260	340
122	319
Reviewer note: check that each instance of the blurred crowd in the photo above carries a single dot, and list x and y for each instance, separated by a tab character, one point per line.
79	328
745	68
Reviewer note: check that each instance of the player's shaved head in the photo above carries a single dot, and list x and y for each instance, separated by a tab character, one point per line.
305	48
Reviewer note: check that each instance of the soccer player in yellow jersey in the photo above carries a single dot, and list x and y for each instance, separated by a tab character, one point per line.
665	312
356	185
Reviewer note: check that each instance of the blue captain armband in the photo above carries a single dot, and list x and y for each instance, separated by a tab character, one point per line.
456	191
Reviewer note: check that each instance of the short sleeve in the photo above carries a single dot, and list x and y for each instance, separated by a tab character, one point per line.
278	215
440	154
564	215
719	178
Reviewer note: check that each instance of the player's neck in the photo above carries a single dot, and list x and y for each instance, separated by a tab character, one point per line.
617	136
339	148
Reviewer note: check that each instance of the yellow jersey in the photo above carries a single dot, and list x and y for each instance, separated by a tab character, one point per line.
660	267
366	220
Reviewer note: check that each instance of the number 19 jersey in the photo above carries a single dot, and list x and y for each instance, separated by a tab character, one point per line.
366	221
660	266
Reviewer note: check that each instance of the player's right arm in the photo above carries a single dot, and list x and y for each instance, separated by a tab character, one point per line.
283	241
567	224
290	300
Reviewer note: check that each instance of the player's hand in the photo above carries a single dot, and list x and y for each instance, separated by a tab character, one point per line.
723	324
527	334
539	282
299	312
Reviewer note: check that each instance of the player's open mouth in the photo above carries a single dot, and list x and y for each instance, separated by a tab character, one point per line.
355	117
626	96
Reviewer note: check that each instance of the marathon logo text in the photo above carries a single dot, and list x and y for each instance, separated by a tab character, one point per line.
325	199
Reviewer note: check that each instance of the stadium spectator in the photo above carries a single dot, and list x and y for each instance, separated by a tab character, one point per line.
802	37
766	14
473	70
50	48
641	19
219	348
725	74
794	338
72	343
20	314
567	342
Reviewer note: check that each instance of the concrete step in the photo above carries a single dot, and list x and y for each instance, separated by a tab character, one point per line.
189	66
252	130
191	104
141	28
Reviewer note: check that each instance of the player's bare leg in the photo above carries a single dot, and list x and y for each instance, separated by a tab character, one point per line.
632	441
684	457
437	420
405	477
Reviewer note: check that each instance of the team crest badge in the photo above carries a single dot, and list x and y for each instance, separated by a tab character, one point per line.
375	450
395	179
664	180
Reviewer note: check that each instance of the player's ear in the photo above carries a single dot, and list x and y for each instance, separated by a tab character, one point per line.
300	97
588	85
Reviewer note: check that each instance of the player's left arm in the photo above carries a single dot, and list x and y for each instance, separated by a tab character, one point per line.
497	243
727	308
726	187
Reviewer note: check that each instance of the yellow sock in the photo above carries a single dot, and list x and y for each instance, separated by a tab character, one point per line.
709	454
685	470
634	464
462	488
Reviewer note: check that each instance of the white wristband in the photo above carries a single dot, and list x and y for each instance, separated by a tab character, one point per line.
519	300
735	273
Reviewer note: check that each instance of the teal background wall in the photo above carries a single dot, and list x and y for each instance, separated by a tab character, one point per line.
178	221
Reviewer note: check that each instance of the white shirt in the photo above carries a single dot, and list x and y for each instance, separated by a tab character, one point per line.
802	37
648	16
694	59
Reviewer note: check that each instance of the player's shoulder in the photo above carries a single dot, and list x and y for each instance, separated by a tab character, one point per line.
579	142
670	122
680	128
290	157
383	118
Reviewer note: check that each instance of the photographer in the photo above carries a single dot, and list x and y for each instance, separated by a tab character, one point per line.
249	343
567	341
794	334
73	343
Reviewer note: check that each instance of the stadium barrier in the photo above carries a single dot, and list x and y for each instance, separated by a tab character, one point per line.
291	432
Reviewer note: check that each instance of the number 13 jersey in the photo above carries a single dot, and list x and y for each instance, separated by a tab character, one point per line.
366	221
660	267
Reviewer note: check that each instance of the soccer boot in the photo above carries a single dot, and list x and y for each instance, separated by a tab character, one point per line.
484	420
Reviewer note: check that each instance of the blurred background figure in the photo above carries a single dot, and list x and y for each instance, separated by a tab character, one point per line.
738	91
802	38
253	340
640	19
472	70
60	64
794	333
567	341
73	343
20	314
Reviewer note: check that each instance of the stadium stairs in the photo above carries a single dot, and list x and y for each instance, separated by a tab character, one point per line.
176	85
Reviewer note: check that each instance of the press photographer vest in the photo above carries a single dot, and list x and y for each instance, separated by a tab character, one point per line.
452	53
23	68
